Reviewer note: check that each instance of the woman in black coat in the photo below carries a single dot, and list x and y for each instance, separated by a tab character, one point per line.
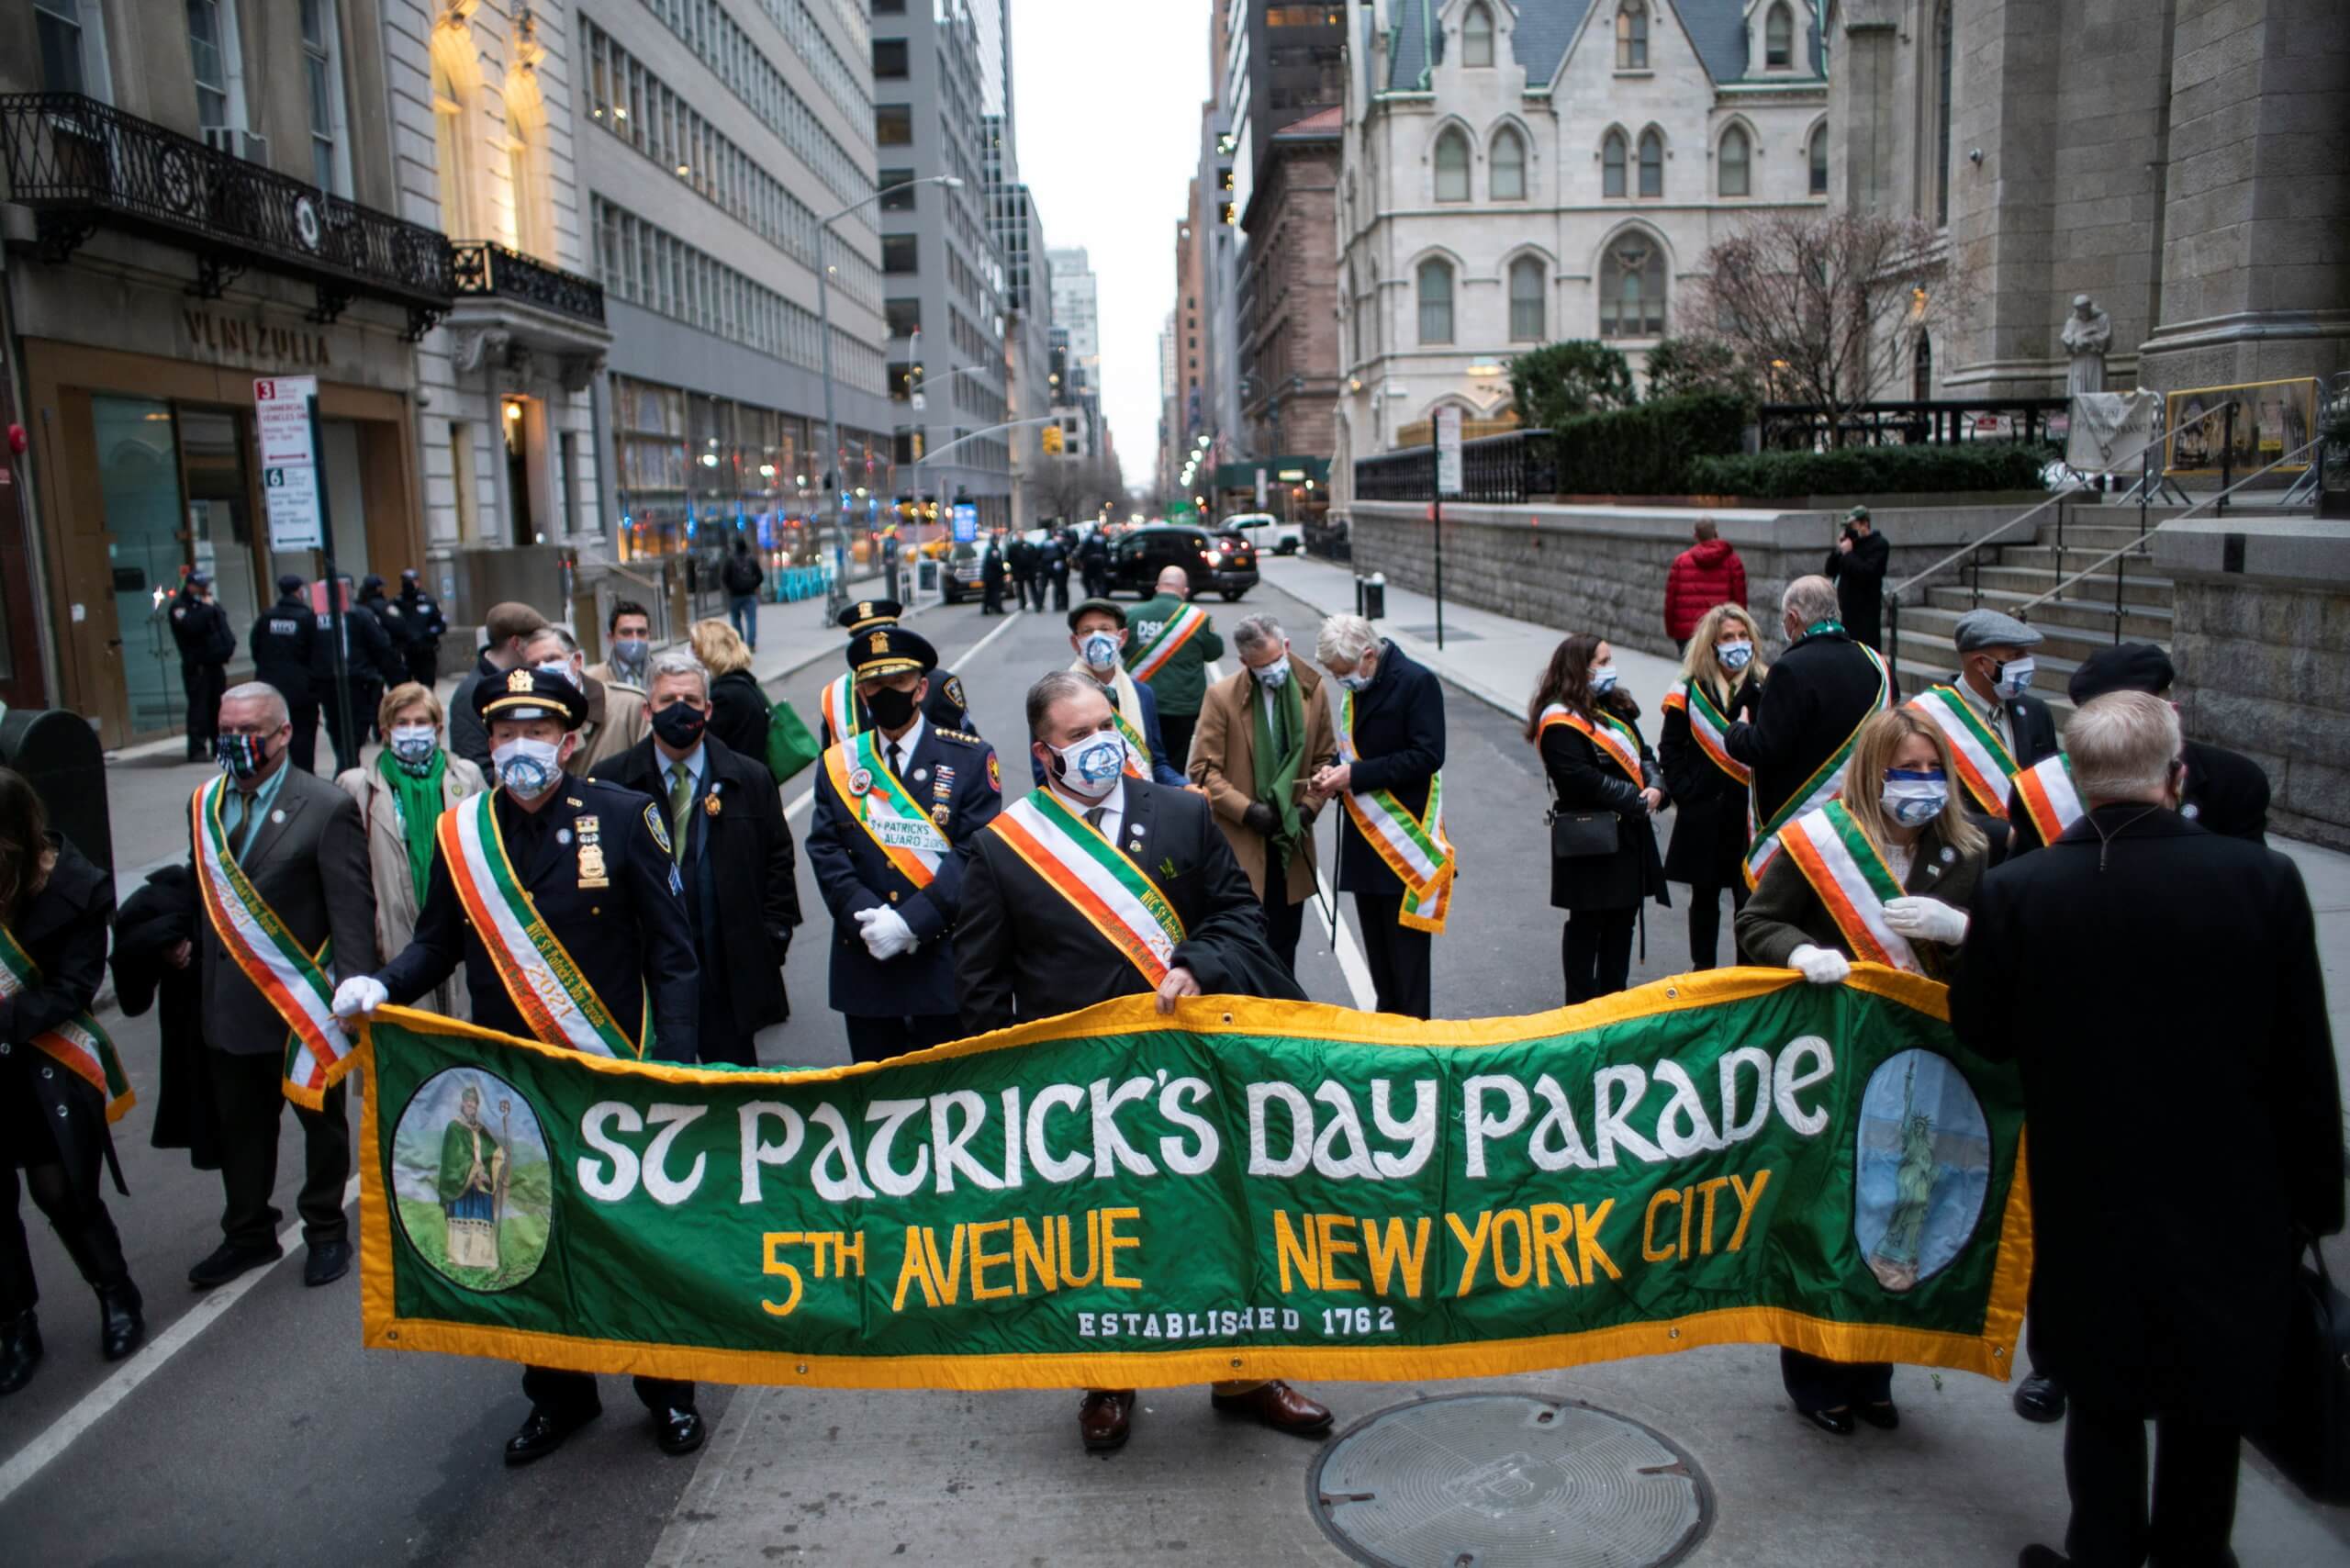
1720	670
738	708
1592	752
57	908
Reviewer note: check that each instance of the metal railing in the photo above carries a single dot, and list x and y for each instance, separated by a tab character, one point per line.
80	165
1807	427
485	268
1494	468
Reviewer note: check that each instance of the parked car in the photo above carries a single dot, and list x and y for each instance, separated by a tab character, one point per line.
1219	563
1265	531
963	579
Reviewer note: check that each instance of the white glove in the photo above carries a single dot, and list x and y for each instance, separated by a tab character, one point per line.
1820	966
1927	920
886	932
359	993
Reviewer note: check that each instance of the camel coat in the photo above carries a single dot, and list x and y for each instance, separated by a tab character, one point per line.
387	867
1224	763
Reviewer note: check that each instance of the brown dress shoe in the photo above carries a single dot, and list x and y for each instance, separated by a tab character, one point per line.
1279	1406
1104	1419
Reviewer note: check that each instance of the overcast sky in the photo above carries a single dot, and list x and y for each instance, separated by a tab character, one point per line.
1108	95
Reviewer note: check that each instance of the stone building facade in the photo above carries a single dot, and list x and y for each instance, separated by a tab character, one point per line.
1289	330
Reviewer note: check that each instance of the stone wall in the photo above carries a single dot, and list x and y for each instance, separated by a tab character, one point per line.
2262	642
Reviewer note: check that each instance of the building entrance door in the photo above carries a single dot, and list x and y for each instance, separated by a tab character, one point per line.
220	522
138	478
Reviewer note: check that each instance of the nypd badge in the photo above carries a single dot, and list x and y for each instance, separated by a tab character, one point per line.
652	820
521	679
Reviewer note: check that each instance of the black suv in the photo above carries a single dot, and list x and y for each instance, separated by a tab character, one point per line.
1221	563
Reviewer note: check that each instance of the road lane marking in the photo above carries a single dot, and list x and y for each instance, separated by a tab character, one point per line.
1333	921
144	1364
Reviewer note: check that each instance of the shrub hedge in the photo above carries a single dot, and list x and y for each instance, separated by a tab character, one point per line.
1872	470
1648	449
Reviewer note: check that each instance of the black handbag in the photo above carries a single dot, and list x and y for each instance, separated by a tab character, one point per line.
2309	1438
1581	836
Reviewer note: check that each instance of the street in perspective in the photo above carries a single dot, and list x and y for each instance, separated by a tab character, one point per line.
1409	783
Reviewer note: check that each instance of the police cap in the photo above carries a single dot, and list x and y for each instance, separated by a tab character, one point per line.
890	650
291	582
530	693
864	614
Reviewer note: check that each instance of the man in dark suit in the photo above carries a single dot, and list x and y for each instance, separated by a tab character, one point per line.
2120	1077
300	844
894	806
207	642
1396	747
369	665
284	640
593	863
1027	951
733	851
504	632
991	575
1857	564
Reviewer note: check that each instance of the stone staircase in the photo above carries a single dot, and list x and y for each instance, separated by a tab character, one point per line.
2005	576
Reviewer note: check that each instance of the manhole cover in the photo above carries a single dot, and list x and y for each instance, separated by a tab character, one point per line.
1508	1480
1428	633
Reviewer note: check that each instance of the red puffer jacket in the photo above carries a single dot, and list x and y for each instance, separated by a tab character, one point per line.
1701	578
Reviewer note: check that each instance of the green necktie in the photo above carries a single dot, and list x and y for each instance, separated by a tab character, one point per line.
681	801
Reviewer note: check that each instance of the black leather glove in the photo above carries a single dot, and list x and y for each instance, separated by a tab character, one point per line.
1261	819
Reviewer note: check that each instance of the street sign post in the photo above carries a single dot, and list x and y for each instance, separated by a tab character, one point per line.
1261	489
286	421
1448	483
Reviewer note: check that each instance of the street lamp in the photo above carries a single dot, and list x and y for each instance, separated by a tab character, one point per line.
834	592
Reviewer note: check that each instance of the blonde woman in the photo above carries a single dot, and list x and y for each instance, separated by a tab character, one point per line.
1721	677
1886	873
738	708
401	795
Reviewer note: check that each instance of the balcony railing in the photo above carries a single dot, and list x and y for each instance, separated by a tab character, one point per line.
483	268
81	165
1493	468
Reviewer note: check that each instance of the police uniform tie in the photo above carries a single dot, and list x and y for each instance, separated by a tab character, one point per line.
681	800
897	760
1094	816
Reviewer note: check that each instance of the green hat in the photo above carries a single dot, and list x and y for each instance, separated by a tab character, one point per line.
1858	514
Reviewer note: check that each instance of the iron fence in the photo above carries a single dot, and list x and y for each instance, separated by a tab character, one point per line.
1519	466
1811	427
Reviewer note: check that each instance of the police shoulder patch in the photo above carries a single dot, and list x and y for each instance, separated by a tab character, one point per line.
995	775
660	828
955	693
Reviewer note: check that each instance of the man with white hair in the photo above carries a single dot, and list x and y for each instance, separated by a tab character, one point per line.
2133	1060
1392	852
1821	690
1172	644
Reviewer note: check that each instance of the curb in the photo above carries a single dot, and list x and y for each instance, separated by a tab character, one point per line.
1421	653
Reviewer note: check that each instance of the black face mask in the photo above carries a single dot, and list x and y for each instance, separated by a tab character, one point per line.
680	725
890	707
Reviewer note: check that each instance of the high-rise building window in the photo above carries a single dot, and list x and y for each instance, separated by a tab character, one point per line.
896	200
1507	170
1734	163
1477	38
1453	165
1651	163
1631	288
889	59
208	44
71	47
1778	39
1819	161
1526	299
1435	302
1632	35
900	254
1611	165
893	124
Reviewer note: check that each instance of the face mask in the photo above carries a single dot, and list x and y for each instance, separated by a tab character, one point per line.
1735	656
1914	799
629	652
526	767
240	756
1100	650
680	725
414	743
2015	676
1274	676
1092	766
1361	679
561	670
891	709
1602	680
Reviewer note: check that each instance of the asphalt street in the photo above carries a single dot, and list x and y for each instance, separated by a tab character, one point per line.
257	1431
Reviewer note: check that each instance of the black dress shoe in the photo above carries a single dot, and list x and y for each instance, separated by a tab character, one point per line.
1105	1419
1884	1417
1837	1421
678	1431
122	1322
2039	1556
20	1350
542	1434
2040	1398
328	1261
228	1261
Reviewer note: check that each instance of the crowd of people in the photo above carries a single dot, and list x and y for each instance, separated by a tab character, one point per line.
623	817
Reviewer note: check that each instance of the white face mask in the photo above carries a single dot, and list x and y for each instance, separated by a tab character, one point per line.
2015	676
528	767
562	670
1274	676
1099	650
1914	799
413	743
1092	768
1602	680
1735	656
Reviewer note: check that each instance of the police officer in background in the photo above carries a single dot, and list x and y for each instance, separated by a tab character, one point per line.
991	575
924	791
422	620
368	665
284	640
207	642
945	706
594	862
372	599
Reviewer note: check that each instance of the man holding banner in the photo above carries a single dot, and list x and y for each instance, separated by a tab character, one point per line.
1102	885
561	897
1172	644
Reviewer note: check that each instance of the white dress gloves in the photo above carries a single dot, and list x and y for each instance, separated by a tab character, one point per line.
1820	966
359	993
886	932
1927	920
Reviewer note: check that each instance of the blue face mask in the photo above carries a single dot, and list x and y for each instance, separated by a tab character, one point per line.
1914	798
1602	680
1735	656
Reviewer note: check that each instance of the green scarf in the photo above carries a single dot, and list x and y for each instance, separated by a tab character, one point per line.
418	795
1277	774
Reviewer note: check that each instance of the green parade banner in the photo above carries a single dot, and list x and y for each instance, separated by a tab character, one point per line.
1242	1189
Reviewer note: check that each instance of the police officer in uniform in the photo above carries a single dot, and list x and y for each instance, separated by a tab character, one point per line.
595	862
421	620
893	948
368	664
207	642
285	641
945	707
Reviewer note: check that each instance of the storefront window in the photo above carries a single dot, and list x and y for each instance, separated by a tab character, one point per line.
219	519
138	482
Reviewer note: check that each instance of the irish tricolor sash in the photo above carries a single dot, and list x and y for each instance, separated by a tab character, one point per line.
838	701
1138	748
540	978
1709	727
882	807
1983	764
1122	697
1614	738
1852	880
1415	848
1096	877
317	1050
1152	656
78	1044
1816	792
2048	796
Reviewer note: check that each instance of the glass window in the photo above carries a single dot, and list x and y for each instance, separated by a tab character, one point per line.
1632	35
904	317
899	253
896	201
1734	162
451	156
59	24
1611	165
1453	165
1651	163
317	63
1819	161
1778	39
1921	369
893	124
1435	302
1526	303
1477	37
207	56
1508	173
889	59
1631	288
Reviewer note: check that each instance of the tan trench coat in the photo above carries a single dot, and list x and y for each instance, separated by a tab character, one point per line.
1224	763
387	867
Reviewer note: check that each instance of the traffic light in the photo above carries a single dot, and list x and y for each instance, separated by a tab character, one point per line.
1052	440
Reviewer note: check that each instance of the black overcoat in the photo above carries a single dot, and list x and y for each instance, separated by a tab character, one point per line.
1816	696
63	930
1581	779
1399	742
1708	805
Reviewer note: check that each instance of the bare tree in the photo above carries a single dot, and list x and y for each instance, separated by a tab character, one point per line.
1827	308
1073	489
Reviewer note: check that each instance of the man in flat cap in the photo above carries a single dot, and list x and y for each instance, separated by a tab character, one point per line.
943	706
1857	568
1995	727
593	881
897	801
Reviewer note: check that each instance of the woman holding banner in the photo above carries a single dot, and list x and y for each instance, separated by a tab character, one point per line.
1885	875
1721	676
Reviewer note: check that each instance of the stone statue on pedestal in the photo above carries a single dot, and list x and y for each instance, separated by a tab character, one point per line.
2088	333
